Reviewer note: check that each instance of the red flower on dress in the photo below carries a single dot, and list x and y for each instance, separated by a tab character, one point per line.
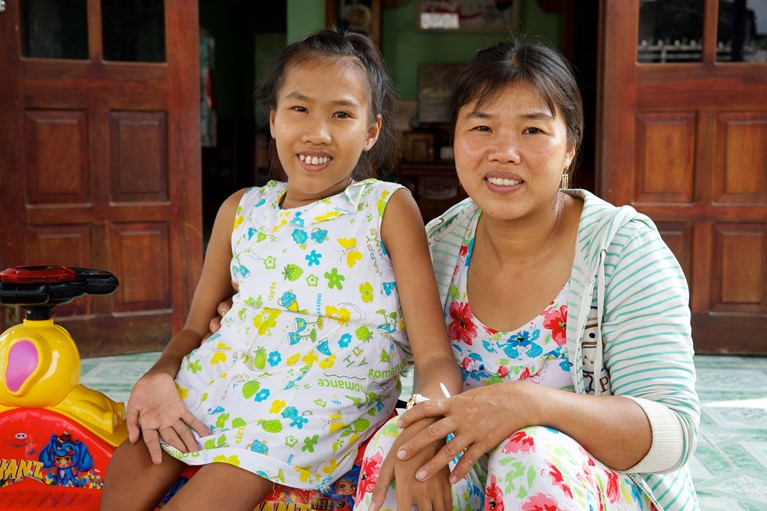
557	479
369	471
556	321
494	496
519	441
540	502
503	371
461	328
613	493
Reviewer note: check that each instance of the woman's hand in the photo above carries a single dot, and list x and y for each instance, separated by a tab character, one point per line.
480	419
221	309
433	493
155	411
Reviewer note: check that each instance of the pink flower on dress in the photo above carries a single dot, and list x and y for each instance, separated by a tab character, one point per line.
503	371
540	502
557	479
556	321
519	441
494	496
461	328
369	471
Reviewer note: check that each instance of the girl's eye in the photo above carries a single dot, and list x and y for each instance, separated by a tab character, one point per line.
298	108
532	131
343	115
482	128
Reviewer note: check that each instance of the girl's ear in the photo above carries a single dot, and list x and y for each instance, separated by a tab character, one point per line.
373	131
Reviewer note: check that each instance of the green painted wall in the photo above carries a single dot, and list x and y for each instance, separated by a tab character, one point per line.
404	46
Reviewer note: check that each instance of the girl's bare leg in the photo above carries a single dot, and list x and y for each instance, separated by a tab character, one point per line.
220	486
133	482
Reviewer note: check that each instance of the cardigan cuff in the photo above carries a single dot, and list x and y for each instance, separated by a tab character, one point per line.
667	438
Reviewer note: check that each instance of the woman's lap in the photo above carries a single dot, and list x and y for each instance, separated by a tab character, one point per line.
535	468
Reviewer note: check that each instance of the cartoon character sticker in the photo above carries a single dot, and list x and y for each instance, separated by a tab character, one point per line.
68	461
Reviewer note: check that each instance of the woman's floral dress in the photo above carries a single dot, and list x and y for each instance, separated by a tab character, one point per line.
536	468
307	362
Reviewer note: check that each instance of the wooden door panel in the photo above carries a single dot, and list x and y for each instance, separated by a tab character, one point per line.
665	159
739	256
142	253
139	157
686	144
106	174
740	174
56	156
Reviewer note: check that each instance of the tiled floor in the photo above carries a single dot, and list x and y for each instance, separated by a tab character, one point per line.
729	467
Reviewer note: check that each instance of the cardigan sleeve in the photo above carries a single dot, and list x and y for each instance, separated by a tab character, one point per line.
648	347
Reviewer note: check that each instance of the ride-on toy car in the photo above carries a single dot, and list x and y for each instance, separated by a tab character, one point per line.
56	435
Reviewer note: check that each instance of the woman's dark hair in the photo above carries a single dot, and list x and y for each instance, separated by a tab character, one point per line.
359	50
522	61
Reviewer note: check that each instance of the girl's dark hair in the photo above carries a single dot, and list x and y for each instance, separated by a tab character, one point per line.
524	61
359	49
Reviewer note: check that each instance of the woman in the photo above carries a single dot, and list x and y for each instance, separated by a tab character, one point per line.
568	316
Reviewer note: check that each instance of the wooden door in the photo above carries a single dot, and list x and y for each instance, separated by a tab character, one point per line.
100	158
683	138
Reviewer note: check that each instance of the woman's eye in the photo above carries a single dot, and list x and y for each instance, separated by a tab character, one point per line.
532	131
482	128
298	109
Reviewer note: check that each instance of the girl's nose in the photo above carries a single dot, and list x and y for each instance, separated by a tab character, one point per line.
317	133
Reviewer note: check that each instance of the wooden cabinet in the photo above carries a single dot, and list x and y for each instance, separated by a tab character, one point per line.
435	186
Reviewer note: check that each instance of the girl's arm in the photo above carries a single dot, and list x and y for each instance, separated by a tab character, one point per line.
155	410
404	237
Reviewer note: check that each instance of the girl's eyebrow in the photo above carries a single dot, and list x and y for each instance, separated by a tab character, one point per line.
339	102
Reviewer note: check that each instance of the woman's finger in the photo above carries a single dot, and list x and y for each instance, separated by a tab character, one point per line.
467	461
385	477
431	408
435	432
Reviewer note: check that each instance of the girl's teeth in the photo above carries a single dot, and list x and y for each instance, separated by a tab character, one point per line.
314	160
503	182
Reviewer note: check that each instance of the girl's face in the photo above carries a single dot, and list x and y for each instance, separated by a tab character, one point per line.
321	126
510	153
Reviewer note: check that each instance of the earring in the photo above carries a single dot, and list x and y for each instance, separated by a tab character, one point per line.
565	179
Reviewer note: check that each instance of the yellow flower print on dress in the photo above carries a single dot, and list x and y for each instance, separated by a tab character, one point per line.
266	320
342	314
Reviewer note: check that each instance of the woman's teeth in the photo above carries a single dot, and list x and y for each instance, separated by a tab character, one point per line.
502	181
314	160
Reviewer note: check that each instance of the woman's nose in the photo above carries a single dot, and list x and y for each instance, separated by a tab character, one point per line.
504	150
317	133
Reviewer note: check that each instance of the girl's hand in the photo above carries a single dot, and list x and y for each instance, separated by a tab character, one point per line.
479	418
431	494
155	411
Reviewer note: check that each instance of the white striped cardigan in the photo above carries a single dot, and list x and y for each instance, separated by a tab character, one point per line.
628	316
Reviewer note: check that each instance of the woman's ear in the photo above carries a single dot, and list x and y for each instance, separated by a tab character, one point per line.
373	131
271	122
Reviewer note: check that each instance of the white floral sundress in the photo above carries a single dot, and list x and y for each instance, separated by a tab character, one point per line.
307	362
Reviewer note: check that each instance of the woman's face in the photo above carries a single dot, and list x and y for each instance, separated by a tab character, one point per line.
511	152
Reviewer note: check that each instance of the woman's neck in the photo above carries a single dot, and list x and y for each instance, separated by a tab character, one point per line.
524	242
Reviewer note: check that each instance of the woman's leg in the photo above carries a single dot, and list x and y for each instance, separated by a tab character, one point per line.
467	493
541	468
220	486
133	482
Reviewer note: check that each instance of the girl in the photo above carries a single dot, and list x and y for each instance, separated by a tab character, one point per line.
327	267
